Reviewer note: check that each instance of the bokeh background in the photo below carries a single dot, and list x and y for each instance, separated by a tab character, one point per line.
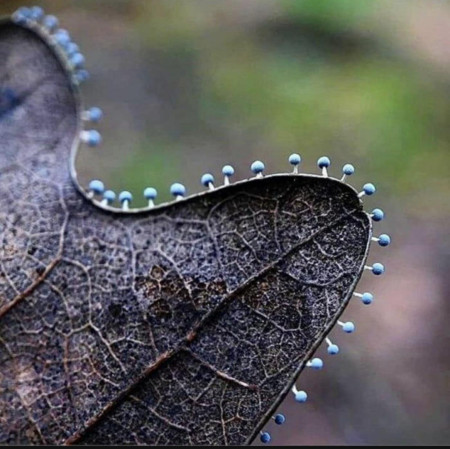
189	85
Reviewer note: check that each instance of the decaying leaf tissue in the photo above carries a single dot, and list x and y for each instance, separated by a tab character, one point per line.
180	323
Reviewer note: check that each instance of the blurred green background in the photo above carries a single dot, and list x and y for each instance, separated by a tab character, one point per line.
189	85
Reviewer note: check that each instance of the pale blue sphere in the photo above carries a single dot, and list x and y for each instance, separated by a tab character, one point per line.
177	189
323	162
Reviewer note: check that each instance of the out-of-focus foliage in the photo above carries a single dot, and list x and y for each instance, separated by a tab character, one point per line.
310	76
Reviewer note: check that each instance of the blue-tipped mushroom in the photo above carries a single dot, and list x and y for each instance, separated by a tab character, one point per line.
77	61
178	190
279	419
347	170
368	189
108	197
323	163
150	195
265	437
332	349
125	199
96	187
377	215
93	114
294	160
366	298
315	363
208	181
92	138
51	23
228	172
258	168
300	395
348	327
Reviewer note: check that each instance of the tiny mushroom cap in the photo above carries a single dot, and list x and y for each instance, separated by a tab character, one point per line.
367	298
96	186
207	179
279	419
348	169
333	349
95	114
369	188
257	167
72	48
24	11
21	15
62	32
228	170
265	437
348	327
125	196
51	22
323	162
93	138
316	363
77	60
109	196
377	268
301	396
295	159
150	193
384	240
36	13
62	37
377	215
177	189
82	75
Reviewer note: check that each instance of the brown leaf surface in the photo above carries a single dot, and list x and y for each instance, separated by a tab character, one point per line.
186	324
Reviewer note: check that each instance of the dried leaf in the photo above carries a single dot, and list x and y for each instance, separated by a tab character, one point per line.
186	324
